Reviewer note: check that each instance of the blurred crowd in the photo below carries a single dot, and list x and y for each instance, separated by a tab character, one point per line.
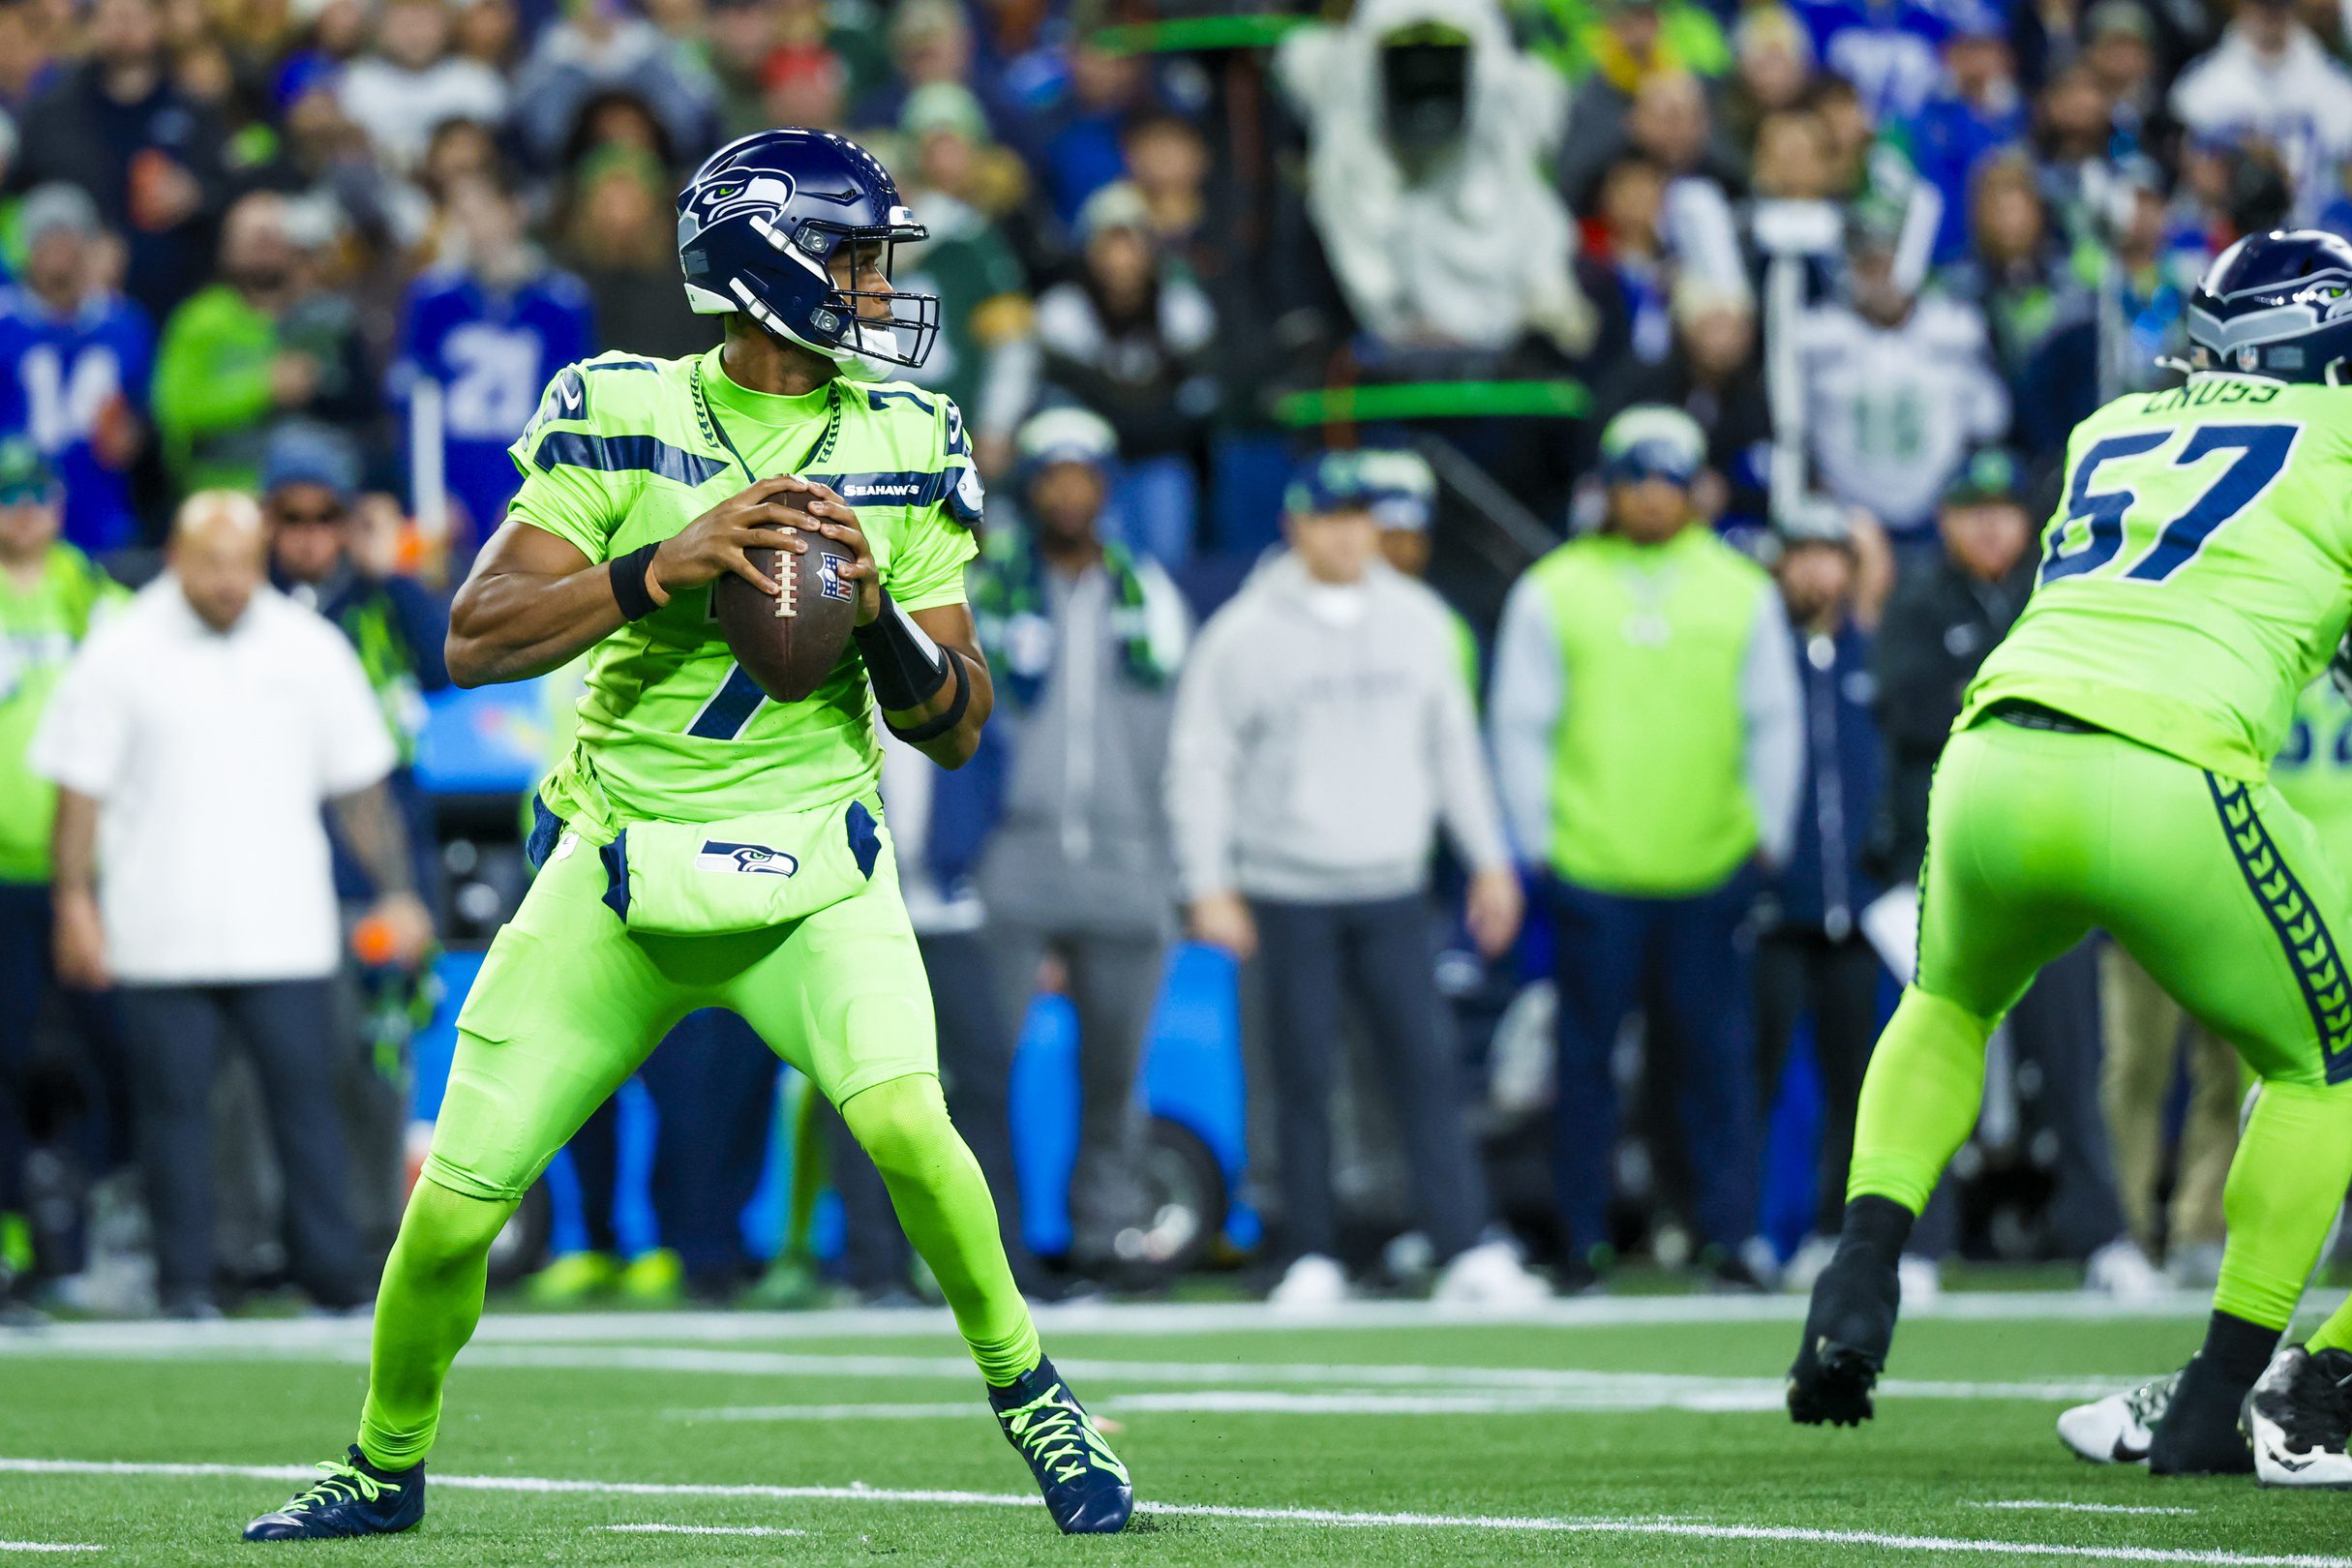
1492	505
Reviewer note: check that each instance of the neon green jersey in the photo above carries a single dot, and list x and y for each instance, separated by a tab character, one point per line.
624	452
40	628
2197	573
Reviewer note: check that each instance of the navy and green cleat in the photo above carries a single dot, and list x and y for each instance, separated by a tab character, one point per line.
352	1498
1086	1488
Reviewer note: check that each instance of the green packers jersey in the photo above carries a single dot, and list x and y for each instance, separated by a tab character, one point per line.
2197	574
2314	769
624	452
40	628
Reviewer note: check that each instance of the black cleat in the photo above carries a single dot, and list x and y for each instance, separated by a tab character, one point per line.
2298	1420
2199	1433
1848	1331
352	1498
1085	1485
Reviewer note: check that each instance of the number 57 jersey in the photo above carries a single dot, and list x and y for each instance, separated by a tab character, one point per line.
2197	574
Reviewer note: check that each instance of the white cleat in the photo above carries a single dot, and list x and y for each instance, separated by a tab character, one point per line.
2298	1418
1310	1285
2120	1429
2122	1271
1489	1275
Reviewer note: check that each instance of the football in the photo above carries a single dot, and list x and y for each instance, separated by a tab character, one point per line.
789	643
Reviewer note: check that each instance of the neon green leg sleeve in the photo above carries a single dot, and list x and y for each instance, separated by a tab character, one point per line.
1919	1099
425	1312
2336	1334
2284	1187
943	1206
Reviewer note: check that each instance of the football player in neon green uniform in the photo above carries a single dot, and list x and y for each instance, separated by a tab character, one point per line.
702	845
2109	769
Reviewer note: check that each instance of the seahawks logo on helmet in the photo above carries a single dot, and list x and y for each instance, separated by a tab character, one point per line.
744	860
745	191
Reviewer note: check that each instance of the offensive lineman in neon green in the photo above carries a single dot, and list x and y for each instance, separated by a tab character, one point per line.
702	845
2109	769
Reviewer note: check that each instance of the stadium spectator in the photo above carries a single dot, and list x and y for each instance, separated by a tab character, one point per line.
118	127
198	733
1897	386
620	240
257	345
2015	272
2147	1035
479	340
1645	720
1128	338
1084	639
1322	735
1890	51
1943	619
1812	960
738	35
986	356
2120	51
77	357
598	46
310	480
1425	130
1975	112
52	595
1713	375
2076	148
1772	66
410	82
2270	79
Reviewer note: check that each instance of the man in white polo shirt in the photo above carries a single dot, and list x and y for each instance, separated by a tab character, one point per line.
192	741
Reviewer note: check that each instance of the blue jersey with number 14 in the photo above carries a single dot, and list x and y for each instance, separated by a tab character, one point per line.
2197	574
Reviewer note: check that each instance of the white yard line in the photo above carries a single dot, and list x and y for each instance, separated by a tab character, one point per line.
699	1530
2079	1507
1691	1529
737	1328
46	1546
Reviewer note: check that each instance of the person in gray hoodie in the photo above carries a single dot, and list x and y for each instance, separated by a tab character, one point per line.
1323	734
1084	642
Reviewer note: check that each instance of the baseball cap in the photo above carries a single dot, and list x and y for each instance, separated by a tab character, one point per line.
24	473
1812	520
56	206
1065	436
1331	482
1652	441
309	454
1117	205
944	105
1990	475
1403	490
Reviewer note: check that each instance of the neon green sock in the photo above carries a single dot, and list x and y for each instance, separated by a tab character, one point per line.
2285	1184
943	1206
1919	1099
425	1312
2336	1334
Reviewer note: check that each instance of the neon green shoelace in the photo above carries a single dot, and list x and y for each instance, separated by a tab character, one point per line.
343	1483
1054	1434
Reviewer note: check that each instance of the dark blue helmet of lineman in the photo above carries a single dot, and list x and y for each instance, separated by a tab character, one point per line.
797	230
2277	305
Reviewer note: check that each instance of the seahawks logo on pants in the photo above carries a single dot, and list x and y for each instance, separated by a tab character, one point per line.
753	860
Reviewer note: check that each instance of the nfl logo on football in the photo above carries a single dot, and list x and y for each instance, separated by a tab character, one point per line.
829	578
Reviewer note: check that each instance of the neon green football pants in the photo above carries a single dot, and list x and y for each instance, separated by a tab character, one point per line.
568	1005
2214	886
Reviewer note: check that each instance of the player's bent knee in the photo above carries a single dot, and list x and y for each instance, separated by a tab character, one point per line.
901	1124
444	1228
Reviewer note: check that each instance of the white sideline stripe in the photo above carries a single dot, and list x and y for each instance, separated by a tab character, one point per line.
46	1546
699	1530
2081	1507
1103	1317
1646	1391
1693	1529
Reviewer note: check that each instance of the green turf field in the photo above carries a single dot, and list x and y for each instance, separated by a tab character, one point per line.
1635	1431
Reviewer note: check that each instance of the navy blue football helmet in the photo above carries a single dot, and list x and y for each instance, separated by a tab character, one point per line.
2277	305
759	228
